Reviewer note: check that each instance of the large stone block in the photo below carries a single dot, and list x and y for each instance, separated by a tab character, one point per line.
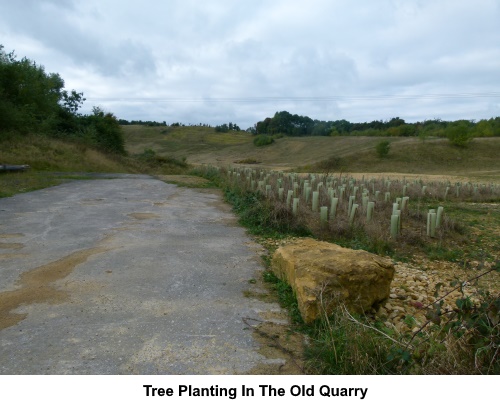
323	274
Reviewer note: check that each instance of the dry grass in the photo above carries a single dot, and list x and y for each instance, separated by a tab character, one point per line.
181	141
47	156
202	145
55	155
452	239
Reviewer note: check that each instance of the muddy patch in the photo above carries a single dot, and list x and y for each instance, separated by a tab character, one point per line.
14	246
11	235
280	343
143	215
5	256
36	288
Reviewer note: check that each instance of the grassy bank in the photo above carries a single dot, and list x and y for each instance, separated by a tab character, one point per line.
462	340
50	158
347	154
412	156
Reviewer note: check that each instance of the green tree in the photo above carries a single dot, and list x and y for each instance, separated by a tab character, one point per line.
460	133
32	99
103	130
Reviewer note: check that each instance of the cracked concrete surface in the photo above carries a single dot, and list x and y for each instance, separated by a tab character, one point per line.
127	276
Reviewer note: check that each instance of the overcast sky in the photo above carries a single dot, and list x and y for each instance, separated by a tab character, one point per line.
216	61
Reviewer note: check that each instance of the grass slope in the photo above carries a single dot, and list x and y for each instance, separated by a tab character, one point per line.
43	153
181	141
202	145
47	156
480	158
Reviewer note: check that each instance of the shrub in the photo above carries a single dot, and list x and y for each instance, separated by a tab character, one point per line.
104	131
383	148
262	140
459	134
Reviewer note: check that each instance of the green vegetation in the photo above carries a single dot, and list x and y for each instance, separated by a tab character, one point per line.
286	297
49	157
255	197
263	140
383	148
144	123
463	341
33	101
346	154
40	126
409	156
179	141
459	132
162	164
227	127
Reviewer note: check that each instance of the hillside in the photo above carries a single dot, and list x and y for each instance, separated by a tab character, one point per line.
202	145
48	158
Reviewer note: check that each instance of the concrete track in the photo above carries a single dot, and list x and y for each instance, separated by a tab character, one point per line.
127	276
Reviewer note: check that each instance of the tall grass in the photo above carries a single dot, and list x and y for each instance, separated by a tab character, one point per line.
463	341
47	156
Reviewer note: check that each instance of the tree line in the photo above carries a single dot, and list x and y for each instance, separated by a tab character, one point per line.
34	101
227	127
459	132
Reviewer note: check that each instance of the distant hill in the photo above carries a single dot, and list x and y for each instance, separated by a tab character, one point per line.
202	145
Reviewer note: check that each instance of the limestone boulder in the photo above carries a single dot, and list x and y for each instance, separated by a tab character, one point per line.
323	275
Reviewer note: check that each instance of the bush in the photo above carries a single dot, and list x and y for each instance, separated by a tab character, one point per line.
383	148
459	134
262	140
103	131
153	160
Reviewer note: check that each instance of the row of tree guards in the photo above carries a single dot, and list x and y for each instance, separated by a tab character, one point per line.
355	199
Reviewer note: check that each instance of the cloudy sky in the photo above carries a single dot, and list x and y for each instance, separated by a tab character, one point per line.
216	61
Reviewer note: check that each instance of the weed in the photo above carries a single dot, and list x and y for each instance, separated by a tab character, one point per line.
341	346
285	296
465	340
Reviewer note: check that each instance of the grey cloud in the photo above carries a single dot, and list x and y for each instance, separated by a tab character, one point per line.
55	29
320	72
208	51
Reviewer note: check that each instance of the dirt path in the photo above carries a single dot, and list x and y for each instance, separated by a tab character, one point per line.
130	276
